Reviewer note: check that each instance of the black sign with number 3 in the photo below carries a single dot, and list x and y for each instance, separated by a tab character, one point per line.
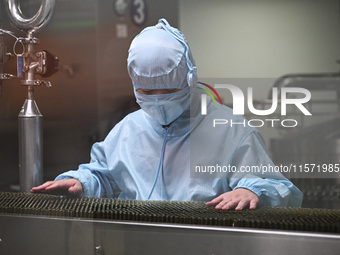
138	11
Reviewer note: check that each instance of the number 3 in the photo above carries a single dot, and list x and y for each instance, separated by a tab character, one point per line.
138	12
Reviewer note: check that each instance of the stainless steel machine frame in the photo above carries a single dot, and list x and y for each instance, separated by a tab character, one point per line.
43	235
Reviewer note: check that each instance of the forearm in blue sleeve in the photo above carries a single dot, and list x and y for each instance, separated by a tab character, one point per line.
94	176
273	188
272	192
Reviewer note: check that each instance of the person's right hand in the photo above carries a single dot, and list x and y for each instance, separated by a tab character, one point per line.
70	187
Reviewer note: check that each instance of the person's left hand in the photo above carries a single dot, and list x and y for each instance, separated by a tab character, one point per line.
239	199
71	187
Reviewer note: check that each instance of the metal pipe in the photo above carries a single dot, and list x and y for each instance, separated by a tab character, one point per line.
35	23
30	145
30	92
30	74
30	122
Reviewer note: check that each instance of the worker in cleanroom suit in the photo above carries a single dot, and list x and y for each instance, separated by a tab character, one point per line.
148	154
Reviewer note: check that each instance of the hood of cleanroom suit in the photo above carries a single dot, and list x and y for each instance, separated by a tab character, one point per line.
143	159
160	58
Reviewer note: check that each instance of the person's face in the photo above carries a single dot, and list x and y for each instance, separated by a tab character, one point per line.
156	91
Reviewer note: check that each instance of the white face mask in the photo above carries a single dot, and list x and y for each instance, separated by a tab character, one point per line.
165	108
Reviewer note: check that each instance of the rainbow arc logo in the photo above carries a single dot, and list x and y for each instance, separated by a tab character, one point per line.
205	87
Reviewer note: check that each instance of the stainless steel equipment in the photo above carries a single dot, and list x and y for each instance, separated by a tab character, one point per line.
34	23
73	236
30	123
58	225
317	143
30	118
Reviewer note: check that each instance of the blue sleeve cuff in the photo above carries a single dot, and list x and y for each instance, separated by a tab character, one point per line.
80	177
272	192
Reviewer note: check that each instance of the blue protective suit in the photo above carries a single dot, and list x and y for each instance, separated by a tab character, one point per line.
125	164
143	159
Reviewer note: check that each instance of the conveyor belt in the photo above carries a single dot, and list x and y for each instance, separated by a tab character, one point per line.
302	219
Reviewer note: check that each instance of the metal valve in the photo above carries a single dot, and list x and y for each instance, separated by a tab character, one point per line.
42	62
50	63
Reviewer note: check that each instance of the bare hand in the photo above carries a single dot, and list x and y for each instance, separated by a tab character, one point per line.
239	199
70	187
